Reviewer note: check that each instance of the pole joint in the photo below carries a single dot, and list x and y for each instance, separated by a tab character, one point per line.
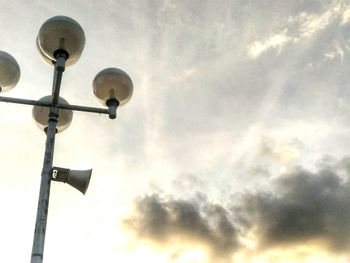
61	56
112	108
53	115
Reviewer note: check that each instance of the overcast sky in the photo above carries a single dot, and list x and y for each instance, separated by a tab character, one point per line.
233	148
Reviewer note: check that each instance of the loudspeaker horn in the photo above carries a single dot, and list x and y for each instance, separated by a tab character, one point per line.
79	179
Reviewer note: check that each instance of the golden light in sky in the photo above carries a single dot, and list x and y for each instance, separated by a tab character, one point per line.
233	148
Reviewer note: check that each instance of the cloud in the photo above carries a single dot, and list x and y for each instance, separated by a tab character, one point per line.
302	26
301	207
304	206
282	152
275	41
162	219
335	51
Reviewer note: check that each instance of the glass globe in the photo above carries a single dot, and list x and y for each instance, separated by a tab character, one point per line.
47	59
61	33
9	72
41	115
112	83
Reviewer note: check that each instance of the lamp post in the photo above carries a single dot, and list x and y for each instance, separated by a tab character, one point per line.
60	42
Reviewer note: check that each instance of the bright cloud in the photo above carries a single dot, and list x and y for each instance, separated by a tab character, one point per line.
276	42
306	25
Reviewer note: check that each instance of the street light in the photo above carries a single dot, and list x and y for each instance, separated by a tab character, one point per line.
60	42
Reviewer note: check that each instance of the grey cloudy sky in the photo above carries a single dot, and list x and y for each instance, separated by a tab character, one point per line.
235	140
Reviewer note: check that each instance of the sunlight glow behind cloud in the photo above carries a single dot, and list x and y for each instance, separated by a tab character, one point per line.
235	140
276	42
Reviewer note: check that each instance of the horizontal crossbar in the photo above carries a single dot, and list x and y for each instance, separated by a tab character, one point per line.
59	105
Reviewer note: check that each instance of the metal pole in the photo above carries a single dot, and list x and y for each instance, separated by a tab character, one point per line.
44	194
61	57
43	205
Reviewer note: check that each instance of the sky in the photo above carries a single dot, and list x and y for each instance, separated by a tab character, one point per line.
233	148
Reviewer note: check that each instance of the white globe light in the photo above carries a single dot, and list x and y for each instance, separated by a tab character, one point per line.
9	72
41	115
112	83
61	33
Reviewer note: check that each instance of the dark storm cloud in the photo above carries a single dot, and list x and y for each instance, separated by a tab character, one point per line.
303	206
300	206
160	219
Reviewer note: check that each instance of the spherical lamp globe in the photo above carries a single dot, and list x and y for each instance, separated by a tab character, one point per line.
112	84
61	33
41	115
9	72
